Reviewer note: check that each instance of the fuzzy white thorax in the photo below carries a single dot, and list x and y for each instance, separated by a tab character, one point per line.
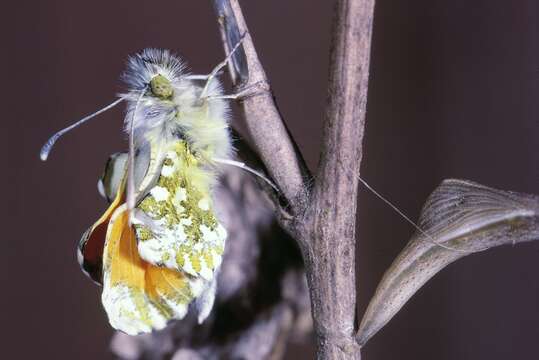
203	122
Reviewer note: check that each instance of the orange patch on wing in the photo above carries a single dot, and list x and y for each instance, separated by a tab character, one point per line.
158	294
127	267
121	255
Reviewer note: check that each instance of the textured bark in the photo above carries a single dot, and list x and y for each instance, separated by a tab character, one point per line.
322	220
331	218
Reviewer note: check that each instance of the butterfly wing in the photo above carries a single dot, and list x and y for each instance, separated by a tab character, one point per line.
90	248
138	296
178	228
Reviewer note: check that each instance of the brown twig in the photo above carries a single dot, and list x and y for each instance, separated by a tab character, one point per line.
330	263
324	223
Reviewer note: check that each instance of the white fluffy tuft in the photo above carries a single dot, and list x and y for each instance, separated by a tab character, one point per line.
203	122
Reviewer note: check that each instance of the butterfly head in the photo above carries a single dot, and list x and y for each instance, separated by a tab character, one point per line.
161	87
154	69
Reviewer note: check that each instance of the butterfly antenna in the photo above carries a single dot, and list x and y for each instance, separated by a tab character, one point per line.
46	149
398	211
131	156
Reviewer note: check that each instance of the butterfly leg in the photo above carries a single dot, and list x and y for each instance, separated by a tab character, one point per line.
243	166
197	77
257	88
218	68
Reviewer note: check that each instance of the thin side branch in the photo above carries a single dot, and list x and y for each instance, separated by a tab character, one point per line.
263	120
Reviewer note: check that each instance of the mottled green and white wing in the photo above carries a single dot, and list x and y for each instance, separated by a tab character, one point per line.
175	225
138	296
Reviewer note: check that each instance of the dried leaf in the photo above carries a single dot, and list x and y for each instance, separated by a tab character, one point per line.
459	218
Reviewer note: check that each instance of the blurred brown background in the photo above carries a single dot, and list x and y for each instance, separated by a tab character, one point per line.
453	93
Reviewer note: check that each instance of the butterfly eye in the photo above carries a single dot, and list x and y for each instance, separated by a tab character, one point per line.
161	87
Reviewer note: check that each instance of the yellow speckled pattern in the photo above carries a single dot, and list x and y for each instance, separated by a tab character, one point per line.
184	234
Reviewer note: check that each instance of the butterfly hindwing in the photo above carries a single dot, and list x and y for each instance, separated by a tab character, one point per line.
176	226
137	295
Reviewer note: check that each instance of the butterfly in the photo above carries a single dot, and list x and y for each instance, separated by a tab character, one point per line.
158	247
